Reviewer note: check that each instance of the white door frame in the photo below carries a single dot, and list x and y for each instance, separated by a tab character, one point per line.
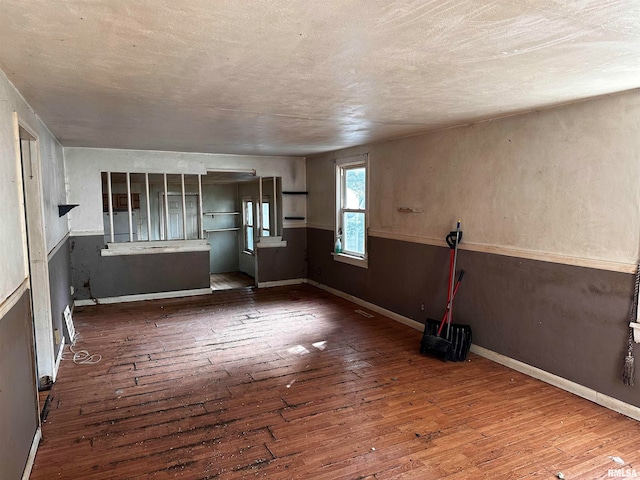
36	264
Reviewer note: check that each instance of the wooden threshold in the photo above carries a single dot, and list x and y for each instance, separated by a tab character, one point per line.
292	382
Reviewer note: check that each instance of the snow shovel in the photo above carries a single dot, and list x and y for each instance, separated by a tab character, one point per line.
438	344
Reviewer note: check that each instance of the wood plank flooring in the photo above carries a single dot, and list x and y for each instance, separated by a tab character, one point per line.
230	280
291	382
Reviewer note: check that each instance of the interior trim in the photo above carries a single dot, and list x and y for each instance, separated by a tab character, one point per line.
86	233
56	365
12	299
318	226
609	265
32	454
143	296
601	399
611	403
55	249
282	283
154	247
294	224
598	264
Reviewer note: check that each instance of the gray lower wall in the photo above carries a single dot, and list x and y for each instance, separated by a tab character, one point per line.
569	321
18	400
95	276
223	256
59	282
284	263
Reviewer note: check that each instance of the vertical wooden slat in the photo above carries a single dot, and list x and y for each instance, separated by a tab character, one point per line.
274	212
146	188
166	208
200	210
259	222
129	207
110	200
184	207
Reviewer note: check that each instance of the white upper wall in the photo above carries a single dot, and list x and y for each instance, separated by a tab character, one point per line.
562	181
53	187
84	166
13	268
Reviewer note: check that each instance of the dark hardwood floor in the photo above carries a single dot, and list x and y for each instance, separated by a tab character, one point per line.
230	281
291	382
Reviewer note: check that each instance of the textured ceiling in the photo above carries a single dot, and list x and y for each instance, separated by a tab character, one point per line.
303	76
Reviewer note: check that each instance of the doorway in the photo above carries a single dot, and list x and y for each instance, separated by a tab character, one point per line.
37	265
176	223
230	281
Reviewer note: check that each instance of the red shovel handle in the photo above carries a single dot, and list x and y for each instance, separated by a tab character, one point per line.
455	290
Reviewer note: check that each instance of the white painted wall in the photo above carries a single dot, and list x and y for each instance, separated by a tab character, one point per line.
83	167
12	246
53	187
13	268
563	181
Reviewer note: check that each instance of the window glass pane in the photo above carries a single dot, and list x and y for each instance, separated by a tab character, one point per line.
355	188
265	219
250	238
353	233
248	214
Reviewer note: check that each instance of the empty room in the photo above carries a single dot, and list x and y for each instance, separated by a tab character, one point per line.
333	240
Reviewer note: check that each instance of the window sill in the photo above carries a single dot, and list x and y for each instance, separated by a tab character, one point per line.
350	259
271	242
636	331
154	247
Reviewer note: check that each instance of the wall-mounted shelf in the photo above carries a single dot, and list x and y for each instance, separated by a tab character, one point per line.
295	193
64	209
294	218
228	225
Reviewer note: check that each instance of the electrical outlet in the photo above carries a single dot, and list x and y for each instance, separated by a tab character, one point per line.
71	290
422	307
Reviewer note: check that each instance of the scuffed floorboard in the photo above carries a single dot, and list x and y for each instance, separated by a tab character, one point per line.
291	382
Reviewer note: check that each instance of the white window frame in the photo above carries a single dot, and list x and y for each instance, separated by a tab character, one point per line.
342	165
245	225
265	201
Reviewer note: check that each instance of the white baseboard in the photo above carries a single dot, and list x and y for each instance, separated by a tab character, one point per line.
382	311
606	401
143	296
58	359
282	283
562	383
32	454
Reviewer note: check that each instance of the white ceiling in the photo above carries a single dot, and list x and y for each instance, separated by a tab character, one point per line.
295	77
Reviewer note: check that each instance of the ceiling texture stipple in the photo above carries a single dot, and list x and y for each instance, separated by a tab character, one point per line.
299	77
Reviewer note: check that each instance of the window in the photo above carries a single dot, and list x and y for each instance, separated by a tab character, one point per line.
266	230
248	225
351	209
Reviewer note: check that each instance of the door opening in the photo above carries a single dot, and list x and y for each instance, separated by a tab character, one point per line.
37	266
